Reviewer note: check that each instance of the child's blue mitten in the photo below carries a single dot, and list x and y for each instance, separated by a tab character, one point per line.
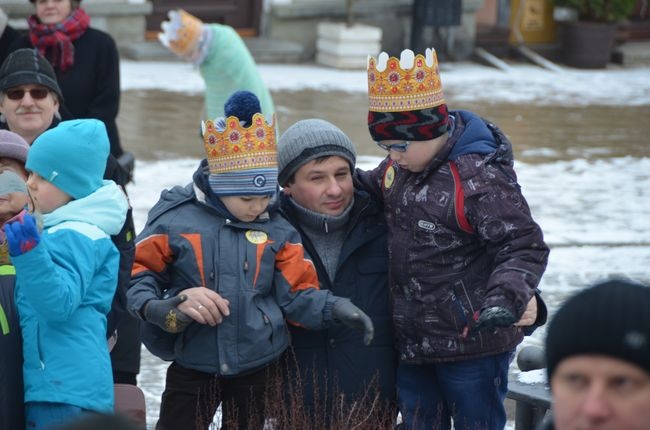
22	235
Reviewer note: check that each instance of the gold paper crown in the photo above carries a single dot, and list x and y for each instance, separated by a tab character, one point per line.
240	148
410	83
188	34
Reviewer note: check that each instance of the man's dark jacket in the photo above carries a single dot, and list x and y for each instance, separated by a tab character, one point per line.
338	353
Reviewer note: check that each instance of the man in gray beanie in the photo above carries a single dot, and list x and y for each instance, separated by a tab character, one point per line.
598	359
344	231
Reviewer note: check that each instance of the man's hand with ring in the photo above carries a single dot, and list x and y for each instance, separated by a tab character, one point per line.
205	306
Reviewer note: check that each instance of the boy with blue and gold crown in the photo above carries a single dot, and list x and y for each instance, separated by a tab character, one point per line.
217	271
465	254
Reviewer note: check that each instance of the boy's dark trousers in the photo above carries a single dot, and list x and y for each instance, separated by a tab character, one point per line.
191	398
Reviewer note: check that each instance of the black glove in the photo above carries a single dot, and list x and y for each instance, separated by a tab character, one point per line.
346	312
166	315
496	316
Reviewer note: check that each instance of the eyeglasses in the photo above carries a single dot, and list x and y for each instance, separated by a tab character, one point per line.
35	93
397	147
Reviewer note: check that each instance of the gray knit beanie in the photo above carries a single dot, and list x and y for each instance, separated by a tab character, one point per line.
307	140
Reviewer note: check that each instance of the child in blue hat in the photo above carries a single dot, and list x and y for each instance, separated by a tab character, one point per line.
66	275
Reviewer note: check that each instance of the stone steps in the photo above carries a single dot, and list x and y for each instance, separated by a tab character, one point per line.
263	50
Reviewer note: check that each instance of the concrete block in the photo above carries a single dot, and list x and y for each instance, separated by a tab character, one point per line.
340	32
340	46
340	62
347	49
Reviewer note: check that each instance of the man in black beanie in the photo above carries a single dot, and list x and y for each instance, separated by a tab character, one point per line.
598	359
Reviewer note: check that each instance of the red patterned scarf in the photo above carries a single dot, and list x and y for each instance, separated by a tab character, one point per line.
54	41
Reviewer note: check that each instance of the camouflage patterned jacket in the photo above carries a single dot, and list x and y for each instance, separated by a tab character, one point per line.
461	238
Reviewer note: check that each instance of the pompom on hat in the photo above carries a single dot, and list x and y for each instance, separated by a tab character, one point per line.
405	98
13	146
610	319
241	149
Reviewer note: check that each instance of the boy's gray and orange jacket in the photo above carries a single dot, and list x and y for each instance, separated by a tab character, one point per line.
260	267
461	239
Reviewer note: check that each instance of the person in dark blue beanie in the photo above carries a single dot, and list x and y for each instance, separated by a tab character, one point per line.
66	364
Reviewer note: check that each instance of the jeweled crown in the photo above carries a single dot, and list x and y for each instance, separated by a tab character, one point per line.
409	83
237	147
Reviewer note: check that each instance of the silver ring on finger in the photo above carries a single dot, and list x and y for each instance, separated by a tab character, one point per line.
199	307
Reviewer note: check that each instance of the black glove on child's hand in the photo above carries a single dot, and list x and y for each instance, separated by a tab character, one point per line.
346	312
166	315
496	316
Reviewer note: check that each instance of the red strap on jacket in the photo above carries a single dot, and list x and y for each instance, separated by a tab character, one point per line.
459	200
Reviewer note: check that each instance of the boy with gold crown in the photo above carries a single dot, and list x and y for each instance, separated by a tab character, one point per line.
465	254
218	271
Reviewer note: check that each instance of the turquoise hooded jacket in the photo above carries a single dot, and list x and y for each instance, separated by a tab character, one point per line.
64	289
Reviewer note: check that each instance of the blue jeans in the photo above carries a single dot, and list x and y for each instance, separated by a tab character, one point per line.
46	415
470	391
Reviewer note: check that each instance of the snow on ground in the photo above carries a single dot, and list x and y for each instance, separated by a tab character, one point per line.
594	213
462	81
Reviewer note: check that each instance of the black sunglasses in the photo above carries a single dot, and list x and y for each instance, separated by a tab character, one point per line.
397	147
35	93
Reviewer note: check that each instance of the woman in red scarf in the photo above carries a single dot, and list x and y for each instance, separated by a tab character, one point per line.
86	62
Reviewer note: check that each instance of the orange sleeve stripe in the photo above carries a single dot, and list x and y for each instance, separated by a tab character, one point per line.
297	270
152	253
195	240
259	252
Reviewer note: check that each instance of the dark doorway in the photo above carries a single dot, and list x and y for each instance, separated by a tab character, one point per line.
243	15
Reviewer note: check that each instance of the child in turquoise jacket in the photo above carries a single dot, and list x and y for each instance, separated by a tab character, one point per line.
66	275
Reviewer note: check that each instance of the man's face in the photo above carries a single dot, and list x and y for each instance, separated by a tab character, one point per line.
592	392
323	185
28	115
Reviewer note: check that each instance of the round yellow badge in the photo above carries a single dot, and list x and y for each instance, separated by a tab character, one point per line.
389	177
256	237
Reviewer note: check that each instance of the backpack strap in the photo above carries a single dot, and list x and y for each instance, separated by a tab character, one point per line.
459	200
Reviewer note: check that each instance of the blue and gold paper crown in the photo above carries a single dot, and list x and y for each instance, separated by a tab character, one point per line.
238	147
242	160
